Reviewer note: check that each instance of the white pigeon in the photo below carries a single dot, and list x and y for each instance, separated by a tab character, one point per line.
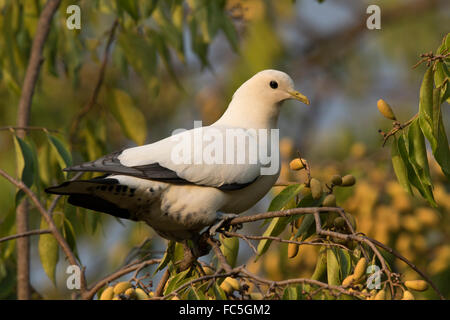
179	199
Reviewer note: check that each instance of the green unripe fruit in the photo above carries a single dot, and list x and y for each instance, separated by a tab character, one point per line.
336	180
329	201
348	180
339	222
385	109
316	188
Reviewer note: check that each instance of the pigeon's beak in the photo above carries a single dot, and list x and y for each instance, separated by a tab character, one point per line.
298	96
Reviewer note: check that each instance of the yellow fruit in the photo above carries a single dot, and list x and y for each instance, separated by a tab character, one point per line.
316	188
385	109
348	281
408	295
107	294
151	294
226	286
121	287
256	296
381	295
130	293
141	294
329	201
348	180
116	298
416	285
175	298
297	164
360	268
234	283
336	180
292	249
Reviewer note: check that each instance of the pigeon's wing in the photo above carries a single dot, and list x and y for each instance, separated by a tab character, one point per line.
180	159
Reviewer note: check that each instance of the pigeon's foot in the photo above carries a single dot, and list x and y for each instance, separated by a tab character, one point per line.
222	220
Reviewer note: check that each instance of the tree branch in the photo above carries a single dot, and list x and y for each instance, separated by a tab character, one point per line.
101	75
89	294
46	215
25	234
23	119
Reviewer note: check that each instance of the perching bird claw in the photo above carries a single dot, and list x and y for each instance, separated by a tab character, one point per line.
223	219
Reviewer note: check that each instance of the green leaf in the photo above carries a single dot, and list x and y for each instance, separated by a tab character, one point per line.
230	249
168	255
48	252
418	153
130	118
321	265
230	32
140	52
69	235
129	6
218	292
288	193
278	224
60	151
293	292
442	152
345	262
426	107
424	190
25	165
400	168
175	281
307	227
333	269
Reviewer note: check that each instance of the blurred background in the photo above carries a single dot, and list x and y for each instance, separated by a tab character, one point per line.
325	46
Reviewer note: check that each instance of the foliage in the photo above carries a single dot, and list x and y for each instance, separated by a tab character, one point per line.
409	154
149	67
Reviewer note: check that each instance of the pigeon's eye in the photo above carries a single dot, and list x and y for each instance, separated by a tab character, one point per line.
273	84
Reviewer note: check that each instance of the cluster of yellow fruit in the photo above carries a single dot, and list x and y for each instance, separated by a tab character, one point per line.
229	285
125	291
314	188
354	283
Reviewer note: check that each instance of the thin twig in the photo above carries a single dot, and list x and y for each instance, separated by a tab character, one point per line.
397	127
223	262
162	283
55	201
25	234
23	119
409	263
119	273
51	224
101	75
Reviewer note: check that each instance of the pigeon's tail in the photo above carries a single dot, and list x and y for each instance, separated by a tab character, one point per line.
98	194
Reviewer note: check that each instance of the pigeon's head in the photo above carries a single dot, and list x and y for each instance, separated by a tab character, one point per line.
272	87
